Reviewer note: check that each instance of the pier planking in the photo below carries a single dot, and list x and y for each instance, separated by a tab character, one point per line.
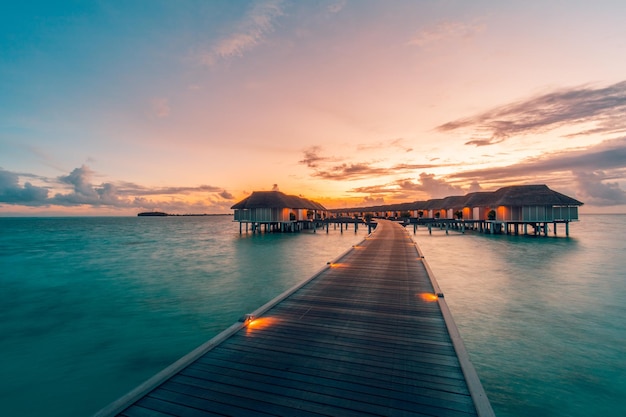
358	339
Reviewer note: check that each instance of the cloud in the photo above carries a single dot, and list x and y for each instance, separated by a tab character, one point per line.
592	188
372	201
351	171
312	157
81	191
12	192
399	143
474	187
410	189
131	189
80	179
363	170
603	107
182	206
250	32
226	195
380	189
84	192
446	30
587	170
608	155
432	187
355	170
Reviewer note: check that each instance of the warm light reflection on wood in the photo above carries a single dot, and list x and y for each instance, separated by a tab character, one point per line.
260	323
427	296
338	265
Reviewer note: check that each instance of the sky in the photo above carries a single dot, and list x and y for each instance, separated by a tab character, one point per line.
117	107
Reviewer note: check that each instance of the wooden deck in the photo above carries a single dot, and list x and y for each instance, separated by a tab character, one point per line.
365	336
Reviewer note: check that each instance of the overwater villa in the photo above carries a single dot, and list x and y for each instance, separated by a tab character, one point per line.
277	211
503	210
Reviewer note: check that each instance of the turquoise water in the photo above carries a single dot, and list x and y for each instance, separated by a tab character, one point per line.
543	319
91	307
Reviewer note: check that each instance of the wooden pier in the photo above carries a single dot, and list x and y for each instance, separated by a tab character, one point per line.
368	335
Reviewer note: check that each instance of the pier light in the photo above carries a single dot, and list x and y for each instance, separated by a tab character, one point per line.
428	296
246	319
259	323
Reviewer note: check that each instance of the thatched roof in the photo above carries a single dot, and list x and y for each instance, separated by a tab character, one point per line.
418	205
434	204
399	207
479	199
454	202
532	195
276	199
516	195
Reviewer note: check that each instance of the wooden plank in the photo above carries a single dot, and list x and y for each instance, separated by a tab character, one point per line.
265	396
366	387
355	339
326	399
391	343
385	371
399	376
315	349
201	402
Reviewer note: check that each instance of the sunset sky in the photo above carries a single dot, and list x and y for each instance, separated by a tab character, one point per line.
116	107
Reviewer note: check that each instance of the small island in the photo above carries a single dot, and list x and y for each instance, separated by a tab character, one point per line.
152	213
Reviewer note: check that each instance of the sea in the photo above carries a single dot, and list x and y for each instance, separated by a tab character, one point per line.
90	307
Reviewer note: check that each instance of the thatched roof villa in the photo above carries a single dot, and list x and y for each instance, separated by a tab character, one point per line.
515	203
534	205
501	210
277	210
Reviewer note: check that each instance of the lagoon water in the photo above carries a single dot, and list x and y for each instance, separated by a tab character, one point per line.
91	307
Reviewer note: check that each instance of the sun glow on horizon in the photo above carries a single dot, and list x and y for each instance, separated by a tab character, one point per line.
368	104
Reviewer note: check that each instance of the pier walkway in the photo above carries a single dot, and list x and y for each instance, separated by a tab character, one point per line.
366	336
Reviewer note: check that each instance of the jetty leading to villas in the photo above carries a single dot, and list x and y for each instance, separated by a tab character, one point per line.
529	207
370	334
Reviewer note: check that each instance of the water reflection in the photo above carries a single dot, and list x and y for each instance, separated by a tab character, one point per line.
542	317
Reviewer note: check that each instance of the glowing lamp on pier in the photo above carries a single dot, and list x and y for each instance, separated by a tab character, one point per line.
259	323
429	297
246	319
